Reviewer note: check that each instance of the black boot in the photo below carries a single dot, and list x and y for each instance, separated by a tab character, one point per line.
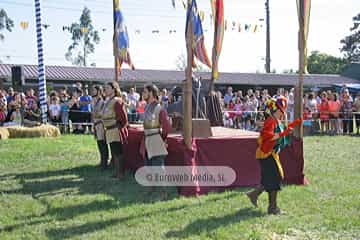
273	208
254	195
118	169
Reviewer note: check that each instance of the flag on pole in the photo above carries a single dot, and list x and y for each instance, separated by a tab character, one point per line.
198	44
218	11
304	8
121	39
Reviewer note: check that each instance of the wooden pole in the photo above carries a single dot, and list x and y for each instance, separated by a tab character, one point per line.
268	59
299	133
187	90
116	62
214	63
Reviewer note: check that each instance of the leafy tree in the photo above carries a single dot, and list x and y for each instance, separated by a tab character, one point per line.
84	38
322	63
5	23
351	43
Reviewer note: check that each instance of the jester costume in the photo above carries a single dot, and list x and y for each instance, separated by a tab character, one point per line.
273	138
269	148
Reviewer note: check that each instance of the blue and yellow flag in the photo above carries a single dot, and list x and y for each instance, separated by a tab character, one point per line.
198	45
121	39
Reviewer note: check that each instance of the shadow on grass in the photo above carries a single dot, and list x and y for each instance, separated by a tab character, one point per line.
70	232
212	223
88	180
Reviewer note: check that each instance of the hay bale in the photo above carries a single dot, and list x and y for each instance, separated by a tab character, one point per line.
4	133
34	132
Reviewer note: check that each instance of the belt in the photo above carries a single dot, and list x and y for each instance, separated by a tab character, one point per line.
152	133
112	127
97	122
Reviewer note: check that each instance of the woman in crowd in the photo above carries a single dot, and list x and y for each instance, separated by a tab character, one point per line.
357	112
347	108
99	130
115	119
74	111
324	113
334	109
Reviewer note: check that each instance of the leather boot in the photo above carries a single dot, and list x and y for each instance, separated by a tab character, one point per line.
273	208
254	195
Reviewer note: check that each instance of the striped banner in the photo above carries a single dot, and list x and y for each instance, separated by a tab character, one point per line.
41	66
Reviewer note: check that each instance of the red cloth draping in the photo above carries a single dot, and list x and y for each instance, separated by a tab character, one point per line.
237	153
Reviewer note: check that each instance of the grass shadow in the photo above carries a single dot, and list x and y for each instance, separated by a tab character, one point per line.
212	223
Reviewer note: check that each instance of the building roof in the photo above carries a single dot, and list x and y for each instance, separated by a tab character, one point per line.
55	73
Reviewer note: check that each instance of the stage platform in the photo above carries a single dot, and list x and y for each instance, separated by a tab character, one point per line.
228	147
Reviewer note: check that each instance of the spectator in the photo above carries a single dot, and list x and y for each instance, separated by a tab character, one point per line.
74	111
346	108
10	95
164	99
2	113
140	109
334	109
291	103
324	113
32	116
357	112
238	113
228	96
133	98
55	110
14	117
253	107
64	105
31	99
85	101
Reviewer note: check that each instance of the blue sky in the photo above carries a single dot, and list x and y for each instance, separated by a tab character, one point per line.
242	52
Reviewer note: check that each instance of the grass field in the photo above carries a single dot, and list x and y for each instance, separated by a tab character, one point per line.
51	189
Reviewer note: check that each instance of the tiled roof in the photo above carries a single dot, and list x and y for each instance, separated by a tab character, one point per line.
54	73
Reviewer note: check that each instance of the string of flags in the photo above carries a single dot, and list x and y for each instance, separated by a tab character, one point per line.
232	26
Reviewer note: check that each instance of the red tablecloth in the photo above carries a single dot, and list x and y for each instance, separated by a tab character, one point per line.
237	153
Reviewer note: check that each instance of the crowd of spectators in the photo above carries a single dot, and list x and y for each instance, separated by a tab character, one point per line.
328	112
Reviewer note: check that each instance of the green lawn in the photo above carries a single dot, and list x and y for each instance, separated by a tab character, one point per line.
51	189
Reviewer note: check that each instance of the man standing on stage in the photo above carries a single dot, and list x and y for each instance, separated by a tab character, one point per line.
156	129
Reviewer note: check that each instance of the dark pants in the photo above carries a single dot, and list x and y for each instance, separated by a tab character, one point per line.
270	176
104	153
116	149
357	118
348	125
157	161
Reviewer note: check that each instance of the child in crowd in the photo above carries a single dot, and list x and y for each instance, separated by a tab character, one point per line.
273	138
55	110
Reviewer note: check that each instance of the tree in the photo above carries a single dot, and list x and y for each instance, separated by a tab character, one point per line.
351	43
181	64
322	63
84	38
5	23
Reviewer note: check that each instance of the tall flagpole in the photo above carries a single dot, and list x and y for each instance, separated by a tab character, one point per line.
268	60
41	65
187	88
304	8
214	54
116	62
